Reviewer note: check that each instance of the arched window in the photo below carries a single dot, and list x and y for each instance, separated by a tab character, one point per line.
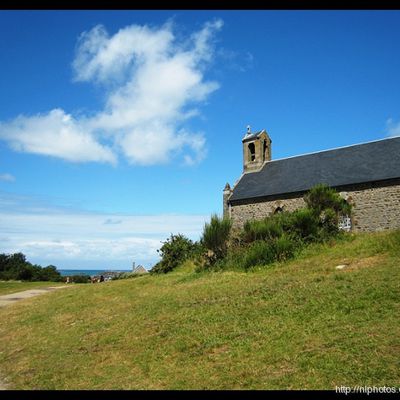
264	150
252	152
344	222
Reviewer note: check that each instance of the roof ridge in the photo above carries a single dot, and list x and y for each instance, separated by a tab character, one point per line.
364	162
335	148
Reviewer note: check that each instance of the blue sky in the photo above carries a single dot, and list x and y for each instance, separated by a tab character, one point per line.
120	127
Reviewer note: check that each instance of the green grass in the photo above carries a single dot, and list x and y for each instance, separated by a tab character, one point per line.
7	287
298	325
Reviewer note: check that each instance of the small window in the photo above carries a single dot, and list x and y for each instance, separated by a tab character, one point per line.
264	150
344	223
252	152
278	210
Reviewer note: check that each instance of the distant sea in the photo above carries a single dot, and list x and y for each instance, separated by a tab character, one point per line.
89	272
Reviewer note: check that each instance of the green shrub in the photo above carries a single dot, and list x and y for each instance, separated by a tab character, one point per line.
215	236
174	251
329	220
259	252
232	261
125	275
79	278
304	224
285	247
328	206
265	229
263	252
321	197
275	238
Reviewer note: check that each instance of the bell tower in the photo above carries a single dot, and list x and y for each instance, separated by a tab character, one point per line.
256	150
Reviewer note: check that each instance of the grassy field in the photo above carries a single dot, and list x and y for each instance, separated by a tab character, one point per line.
7	287
298	325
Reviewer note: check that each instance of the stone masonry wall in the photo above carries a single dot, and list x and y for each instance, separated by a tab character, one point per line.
376	206
243	212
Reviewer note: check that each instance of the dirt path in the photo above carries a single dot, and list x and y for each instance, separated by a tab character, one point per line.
11	298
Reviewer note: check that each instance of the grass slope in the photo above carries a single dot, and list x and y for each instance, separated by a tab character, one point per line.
299	325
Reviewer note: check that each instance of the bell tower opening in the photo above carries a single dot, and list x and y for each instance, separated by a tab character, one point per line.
256	150
252	152
265	148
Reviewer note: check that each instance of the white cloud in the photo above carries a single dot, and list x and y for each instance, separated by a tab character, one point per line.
7	177
101	57
71	238
392	128
100	253
152	86
55	134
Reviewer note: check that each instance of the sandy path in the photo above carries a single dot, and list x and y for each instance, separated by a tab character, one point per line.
11	298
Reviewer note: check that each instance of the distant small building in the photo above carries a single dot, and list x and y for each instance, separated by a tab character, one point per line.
107	276
140	270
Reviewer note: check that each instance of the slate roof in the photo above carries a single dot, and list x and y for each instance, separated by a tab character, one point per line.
251	136
367	162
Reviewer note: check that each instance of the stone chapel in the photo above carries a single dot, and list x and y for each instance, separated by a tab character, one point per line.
366	175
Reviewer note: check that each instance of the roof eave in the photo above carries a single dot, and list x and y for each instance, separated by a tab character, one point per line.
301	192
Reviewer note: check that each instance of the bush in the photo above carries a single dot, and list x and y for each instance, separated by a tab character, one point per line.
266	252
126	275
321	197
174	251
286	247
215	236
259	253
49	273
275	238
79	278
265	229
304	224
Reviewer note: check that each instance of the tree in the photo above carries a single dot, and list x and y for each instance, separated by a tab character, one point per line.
16	267
175	250
49	273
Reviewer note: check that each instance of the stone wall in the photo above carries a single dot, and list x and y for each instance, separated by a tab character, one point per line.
376	206
240	213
